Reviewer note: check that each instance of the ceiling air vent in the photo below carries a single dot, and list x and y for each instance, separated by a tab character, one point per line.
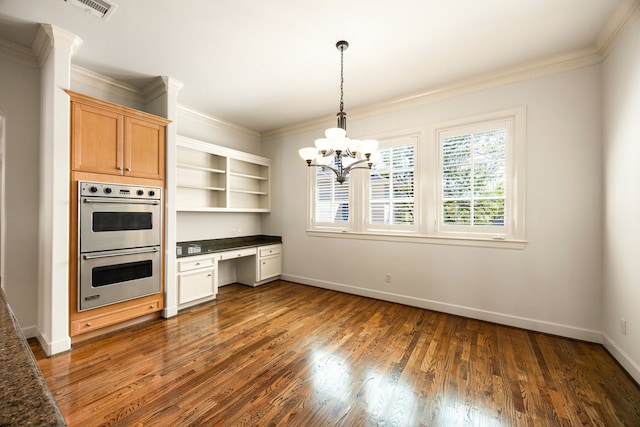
99	8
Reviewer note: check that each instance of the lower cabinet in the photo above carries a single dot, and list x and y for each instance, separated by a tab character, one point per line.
196	279
269	262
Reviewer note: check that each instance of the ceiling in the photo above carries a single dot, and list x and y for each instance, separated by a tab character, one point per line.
266	65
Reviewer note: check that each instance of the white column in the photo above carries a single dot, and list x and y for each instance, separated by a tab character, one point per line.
166	105
54	47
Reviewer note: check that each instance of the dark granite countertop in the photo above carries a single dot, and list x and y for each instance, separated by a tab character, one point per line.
226	244
25	399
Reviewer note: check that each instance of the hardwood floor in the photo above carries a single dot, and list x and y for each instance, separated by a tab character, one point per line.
288	354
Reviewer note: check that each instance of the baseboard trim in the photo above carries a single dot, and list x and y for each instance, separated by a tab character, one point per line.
622	357
170	312
470	312
51	348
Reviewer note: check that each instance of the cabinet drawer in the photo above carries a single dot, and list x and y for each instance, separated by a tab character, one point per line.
196	285
237	253
193	263
270	250
100	321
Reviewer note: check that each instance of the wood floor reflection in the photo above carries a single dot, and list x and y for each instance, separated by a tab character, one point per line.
288	354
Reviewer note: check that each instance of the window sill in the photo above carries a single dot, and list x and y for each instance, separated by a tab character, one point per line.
483	242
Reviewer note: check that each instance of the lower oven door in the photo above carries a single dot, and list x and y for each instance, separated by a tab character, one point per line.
109	277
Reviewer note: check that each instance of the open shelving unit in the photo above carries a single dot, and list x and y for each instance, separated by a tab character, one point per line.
214	178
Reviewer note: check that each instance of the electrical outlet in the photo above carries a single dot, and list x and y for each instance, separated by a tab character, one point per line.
387	278
623	326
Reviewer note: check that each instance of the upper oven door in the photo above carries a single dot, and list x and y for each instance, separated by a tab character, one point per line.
118	223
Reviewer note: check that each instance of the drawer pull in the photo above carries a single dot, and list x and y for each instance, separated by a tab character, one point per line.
152	306
128	169
209	275
119	168
88	324
197	263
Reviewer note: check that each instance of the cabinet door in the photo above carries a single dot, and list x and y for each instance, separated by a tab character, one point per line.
270	267
195	285
97	140
144	149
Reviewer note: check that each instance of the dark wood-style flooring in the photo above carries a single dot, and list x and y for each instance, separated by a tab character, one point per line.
288	354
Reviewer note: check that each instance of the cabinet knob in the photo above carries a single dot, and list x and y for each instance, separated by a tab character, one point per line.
197	263
152	306
88	323
128	169
119	168
209	275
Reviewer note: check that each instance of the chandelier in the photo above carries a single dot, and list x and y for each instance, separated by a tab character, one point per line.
336	151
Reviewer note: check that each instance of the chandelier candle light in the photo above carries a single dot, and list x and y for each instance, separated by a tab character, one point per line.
345	154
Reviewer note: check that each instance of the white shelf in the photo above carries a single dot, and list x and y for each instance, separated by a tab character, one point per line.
199	187
260	193
219	179
200	168
243	175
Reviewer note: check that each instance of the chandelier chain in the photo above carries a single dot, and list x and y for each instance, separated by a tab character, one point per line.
341	80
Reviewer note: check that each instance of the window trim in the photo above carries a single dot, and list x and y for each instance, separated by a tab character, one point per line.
426	192
515	172
400	229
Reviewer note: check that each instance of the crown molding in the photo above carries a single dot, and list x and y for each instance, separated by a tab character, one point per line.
624	15
17	53
160	86
49	37
107	84
206	119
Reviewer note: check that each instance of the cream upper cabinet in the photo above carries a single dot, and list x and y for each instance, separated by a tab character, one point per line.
214	178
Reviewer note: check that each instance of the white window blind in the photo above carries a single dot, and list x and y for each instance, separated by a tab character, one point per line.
392	186
332	199
473	177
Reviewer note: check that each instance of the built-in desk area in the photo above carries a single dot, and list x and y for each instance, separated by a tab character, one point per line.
254	260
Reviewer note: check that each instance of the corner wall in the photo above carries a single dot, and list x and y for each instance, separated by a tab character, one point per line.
621	291
20	102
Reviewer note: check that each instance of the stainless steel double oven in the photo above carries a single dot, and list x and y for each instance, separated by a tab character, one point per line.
120	234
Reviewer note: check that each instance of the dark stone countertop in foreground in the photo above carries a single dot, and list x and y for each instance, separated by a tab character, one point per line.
25	399
226	244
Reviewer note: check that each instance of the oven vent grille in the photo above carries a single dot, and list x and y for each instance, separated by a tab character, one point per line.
100	8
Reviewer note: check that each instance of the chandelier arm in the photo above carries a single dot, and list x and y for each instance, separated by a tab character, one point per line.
326	167
352	165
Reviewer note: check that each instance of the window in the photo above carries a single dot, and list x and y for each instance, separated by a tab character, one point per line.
480	182
392	189
331	199
460	182
473	162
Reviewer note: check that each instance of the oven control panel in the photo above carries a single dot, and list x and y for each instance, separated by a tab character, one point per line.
126	191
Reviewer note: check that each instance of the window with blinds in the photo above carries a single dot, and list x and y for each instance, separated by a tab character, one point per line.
392	186
332	199
473	164
459	182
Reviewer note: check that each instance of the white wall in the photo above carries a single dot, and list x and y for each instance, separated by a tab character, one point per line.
552	285
621	295
20	102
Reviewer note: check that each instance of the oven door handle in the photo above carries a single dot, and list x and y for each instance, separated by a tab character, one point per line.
134	252
122	201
